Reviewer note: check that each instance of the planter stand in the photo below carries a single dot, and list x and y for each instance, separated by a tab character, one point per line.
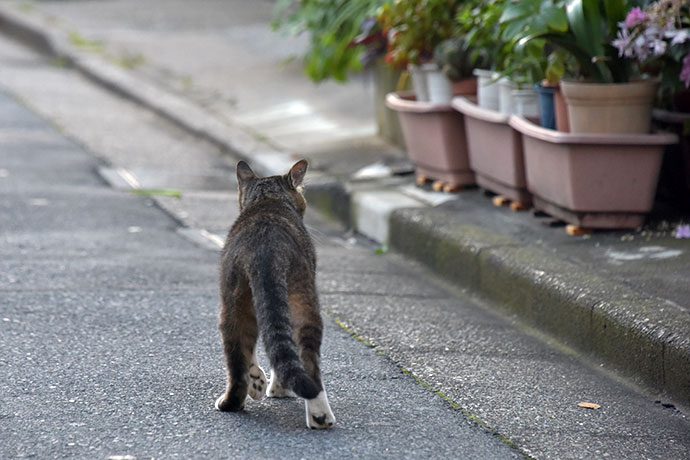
592	180
675	170
495	153
435	139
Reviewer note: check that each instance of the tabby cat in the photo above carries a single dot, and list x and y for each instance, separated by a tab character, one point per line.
267	287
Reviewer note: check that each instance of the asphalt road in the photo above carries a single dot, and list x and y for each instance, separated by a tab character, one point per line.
108	317
109	338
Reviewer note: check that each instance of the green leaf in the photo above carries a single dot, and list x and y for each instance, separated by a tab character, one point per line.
515	11
555	18
615	13
512	30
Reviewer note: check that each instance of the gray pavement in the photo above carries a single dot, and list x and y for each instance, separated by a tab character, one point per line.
489	367
109	338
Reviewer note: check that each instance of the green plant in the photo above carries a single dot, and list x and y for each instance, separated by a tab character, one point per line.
454	57
415	27
478	21
531	61
592	25
332	25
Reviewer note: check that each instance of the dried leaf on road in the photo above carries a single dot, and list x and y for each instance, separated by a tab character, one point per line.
589	405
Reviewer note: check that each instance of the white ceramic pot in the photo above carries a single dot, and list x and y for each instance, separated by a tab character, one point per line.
418	76
505	96
439	86
487	91
525	102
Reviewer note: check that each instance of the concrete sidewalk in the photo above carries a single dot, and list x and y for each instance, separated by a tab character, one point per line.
622	298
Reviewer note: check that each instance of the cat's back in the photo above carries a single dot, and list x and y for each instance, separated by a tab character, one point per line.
269	227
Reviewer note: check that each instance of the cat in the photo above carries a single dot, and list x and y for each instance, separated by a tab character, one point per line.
267	288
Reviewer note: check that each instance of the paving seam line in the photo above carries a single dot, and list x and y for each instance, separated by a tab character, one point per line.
635	338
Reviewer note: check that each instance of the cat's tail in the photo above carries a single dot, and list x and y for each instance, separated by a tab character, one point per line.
273	316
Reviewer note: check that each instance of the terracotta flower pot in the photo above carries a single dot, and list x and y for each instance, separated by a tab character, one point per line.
592	180
465	87
435	139
610	107
495	151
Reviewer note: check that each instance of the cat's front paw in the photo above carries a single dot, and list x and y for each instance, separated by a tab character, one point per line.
257	382
319	414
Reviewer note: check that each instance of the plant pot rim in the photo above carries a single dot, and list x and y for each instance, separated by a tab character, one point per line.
638	82
524	91
424	66
467	107
405	101
532	130
485	72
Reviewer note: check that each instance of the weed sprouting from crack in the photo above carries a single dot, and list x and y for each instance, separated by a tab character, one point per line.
84	43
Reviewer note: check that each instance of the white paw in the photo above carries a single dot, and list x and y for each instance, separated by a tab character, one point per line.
257	382
319	414
276	390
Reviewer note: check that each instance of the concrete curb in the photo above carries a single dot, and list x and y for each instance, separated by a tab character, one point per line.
629	332
632	333
46	38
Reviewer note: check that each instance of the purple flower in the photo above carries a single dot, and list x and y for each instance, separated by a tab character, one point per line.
685	71
683	231
635	16
622	42
678	36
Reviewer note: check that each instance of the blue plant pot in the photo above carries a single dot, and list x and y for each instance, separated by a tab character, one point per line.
548	119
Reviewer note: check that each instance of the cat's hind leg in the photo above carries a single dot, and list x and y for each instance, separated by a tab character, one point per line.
319	413
239	333
276	390
308	334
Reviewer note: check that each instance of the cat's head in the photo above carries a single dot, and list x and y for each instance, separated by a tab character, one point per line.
253	189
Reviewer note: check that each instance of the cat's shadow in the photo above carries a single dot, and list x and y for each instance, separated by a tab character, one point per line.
284	415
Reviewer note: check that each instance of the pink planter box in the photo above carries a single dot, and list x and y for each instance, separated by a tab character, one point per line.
495	151
435	139
592	180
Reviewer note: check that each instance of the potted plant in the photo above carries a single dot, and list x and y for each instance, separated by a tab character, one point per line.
609	93
433	131
454	58
659	37
533	63
478	22
601	176
413	29
495	148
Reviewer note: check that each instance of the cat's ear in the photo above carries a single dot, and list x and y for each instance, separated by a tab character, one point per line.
244	173
297	172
